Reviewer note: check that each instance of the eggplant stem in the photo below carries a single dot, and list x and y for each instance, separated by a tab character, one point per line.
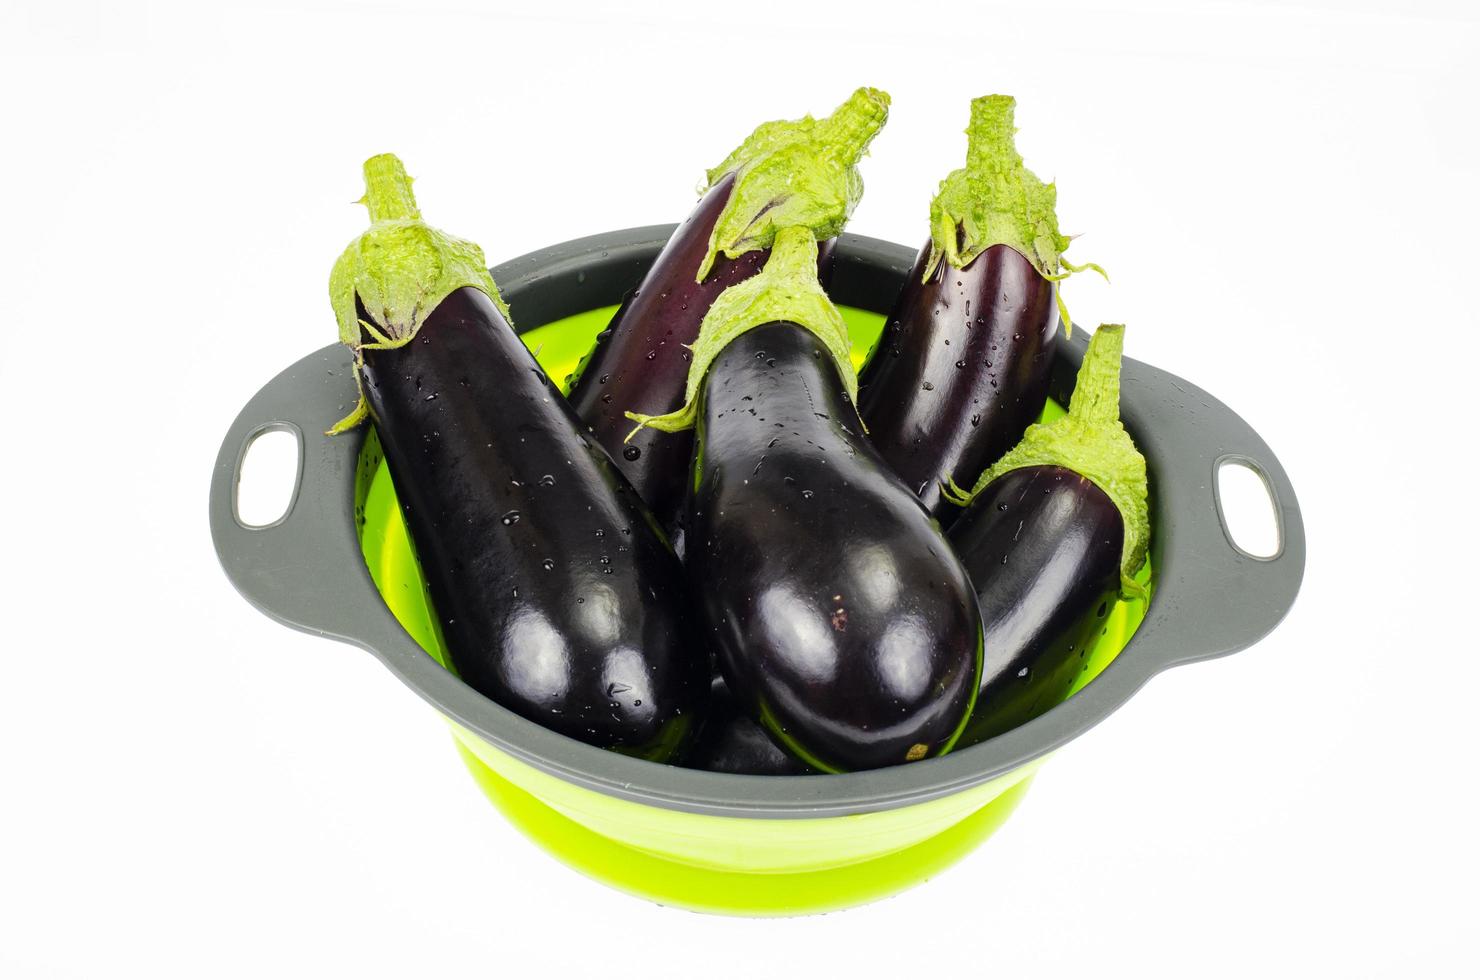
1069	269
356	414
990	144
672	422
1096	396
954	492
1095	266
388	195
1131	589
797	173
1058	298
382	341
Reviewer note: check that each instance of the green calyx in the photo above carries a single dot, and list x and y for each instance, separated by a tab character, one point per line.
995	200
399	270
786	289
1091	441
795	173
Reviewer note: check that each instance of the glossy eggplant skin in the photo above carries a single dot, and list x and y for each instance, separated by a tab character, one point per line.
555	592
960	371
840	617
640	362
730	741
1042	545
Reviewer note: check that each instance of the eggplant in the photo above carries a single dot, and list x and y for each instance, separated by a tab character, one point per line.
962	366
555	592
801	172
841	619
1042	545
730	741
1052	537
641	354
961	369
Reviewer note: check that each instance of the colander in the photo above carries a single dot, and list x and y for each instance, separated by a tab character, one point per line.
338	564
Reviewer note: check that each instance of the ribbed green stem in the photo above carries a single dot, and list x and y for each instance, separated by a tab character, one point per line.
853	124
1096	398
800	173
388	193
990	147
793	256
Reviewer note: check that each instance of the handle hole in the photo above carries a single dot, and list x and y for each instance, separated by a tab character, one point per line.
267	477
1246	508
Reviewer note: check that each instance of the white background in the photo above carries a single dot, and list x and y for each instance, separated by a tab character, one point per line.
1285	195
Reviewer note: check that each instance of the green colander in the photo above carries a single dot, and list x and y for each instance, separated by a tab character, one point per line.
339	564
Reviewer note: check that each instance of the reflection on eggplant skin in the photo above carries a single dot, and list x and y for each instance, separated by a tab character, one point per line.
874	573
542	674
902	672
791	621
623	674
598	615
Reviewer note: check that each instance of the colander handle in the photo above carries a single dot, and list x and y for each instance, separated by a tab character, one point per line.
1211	597
280	567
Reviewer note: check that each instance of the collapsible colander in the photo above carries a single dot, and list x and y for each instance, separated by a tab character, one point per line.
338	564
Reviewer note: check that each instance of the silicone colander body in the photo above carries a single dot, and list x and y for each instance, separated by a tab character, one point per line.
339	564
700	862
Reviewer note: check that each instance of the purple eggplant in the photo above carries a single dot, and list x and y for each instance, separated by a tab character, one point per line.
962	366
555	592
842	621
641	356
1052	536
730	741
797	173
